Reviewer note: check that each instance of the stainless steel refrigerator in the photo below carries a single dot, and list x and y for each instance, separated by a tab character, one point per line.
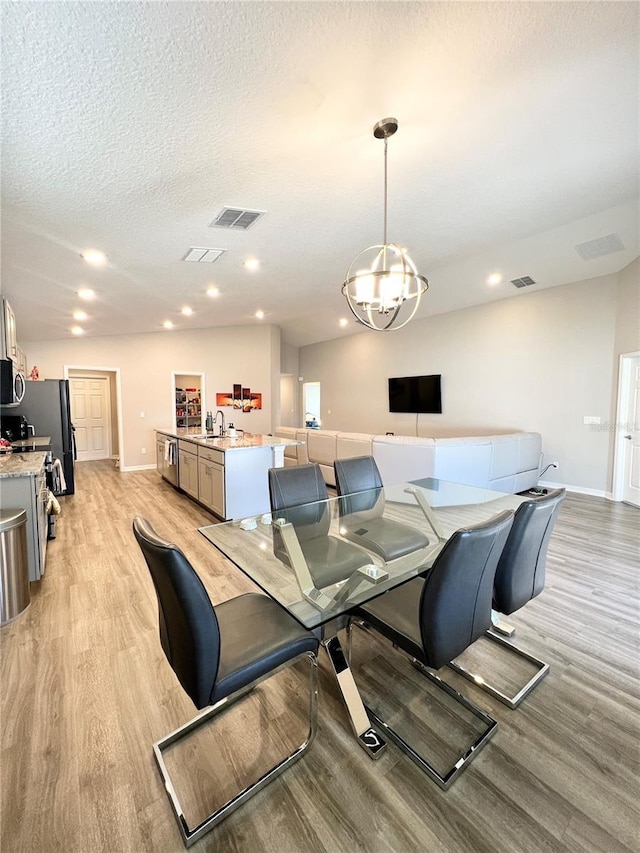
46	405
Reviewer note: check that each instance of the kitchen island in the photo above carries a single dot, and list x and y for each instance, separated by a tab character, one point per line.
23	485
226	475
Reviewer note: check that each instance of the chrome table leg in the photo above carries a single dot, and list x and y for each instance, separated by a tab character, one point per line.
368	738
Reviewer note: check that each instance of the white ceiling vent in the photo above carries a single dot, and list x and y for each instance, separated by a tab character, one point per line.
525	281
202	256
236	218
600	246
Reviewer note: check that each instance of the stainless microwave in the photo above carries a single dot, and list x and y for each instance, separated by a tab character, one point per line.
12	383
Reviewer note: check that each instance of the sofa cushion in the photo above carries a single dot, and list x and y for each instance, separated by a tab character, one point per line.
515	453
464	460
352	444
321	449
401	458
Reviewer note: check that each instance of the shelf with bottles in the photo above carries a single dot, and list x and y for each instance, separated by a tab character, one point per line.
188	408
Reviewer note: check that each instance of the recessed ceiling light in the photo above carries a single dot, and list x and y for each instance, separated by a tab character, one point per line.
187	311
79	315
213	291
260	314
494	278
77	330
94	257
343	322
168	324
86	293
252	263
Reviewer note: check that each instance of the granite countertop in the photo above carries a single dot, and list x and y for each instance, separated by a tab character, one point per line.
21	464
243	441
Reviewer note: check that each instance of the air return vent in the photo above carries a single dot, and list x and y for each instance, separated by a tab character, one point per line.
199	255
600	246
236	218
525	281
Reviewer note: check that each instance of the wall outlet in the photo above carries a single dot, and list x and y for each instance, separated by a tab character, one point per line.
141	414
143	450
590	419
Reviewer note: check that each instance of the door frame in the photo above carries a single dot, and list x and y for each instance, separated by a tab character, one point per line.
203	408
109	431
116	371
624	373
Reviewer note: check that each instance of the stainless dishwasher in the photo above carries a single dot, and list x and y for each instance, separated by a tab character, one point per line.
167	458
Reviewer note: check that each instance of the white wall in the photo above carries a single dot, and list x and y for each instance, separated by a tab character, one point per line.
539	361
628	309
249	355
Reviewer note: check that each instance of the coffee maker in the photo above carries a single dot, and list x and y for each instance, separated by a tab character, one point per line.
14	427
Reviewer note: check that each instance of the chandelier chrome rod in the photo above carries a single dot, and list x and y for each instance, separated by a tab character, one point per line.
386	143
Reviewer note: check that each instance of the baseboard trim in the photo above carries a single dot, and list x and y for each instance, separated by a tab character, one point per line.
581	490
138	468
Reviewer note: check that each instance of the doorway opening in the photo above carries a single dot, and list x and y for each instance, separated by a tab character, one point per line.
95	400
187	392
626	466
311	404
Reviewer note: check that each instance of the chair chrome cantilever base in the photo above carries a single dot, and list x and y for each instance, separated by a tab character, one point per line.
442	780
511	701
191	835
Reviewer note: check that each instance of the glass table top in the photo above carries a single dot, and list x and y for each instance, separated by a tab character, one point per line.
322	559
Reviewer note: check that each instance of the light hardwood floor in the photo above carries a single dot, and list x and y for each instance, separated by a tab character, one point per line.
86	690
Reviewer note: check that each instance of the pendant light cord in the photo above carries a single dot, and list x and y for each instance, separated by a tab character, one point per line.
385	190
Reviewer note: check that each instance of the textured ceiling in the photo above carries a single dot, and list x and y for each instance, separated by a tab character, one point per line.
127	126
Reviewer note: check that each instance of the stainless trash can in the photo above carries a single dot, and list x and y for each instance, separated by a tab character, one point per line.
14	569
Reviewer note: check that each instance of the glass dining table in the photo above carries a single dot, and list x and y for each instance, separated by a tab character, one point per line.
321	560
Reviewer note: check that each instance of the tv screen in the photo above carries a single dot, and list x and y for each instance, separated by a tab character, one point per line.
418	394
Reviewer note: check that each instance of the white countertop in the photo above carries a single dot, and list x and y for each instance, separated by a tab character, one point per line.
244	441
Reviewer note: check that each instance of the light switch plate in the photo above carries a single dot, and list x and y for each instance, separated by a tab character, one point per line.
590	419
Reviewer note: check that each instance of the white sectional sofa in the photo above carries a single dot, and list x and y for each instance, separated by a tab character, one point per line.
507	463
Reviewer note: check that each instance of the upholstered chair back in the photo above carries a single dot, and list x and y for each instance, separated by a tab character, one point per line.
189	631
455	606
521	570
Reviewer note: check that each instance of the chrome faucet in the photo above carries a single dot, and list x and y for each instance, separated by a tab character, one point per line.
215	421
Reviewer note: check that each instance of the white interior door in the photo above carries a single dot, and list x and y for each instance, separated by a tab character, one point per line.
631	439
91	416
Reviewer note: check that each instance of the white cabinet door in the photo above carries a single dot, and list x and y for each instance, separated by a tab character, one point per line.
10	326
218	502
188	469
9	342
211	486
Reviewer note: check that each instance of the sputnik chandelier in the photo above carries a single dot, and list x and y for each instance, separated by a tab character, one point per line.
384	292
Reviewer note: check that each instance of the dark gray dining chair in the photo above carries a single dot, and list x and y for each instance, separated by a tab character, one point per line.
434	617
362	504
219	654
520	576
299	496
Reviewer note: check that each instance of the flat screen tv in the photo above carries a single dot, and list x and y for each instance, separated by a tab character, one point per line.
418	394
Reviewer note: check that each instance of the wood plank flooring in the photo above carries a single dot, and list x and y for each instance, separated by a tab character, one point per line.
86	690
